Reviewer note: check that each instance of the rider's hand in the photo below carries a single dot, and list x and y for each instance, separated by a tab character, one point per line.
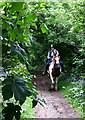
57	55
49	58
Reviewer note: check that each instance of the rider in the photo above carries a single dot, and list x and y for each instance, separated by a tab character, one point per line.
52	53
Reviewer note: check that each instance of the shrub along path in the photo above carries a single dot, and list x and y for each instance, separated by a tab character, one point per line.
57	106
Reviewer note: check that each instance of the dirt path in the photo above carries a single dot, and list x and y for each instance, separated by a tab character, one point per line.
57	106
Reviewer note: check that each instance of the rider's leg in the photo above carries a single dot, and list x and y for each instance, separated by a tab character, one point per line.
62	67
47	65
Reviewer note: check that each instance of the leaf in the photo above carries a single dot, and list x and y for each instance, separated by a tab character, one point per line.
20	37
44	101
4	33
30	18
66	5
11	110
16	49
6	92
41	104
34	26
44	28
10	23
17	87
8	63
39	99
22	60
21	50
17	115
16	6
34	102
30	38
20	23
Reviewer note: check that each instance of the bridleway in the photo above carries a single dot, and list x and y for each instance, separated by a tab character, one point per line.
57	106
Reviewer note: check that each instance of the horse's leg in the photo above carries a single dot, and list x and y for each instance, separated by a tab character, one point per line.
56	83
54	86
51	77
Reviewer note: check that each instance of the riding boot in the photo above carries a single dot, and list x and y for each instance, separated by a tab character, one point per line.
62	67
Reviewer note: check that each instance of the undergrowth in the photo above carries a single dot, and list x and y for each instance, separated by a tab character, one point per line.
27	110
73	88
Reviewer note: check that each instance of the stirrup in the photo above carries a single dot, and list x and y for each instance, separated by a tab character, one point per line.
43	73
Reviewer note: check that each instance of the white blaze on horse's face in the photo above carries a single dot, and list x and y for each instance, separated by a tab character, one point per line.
57	60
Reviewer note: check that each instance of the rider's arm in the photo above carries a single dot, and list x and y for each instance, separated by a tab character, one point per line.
49	55
56	52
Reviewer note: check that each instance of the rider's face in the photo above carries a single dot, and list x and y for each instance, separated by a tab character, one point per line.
52	49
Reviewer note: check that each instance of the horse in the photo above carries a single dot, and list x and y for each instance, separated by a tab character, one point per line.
54	72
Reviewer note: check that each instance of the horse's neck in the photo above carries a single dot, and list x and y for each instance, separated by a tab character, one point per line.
57	60
53	63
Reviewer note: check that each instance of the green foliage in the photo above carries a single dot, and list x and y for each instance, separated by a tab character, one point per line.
11	110
28	29
27	111
16	78
17	87
73	88
43	28
64	23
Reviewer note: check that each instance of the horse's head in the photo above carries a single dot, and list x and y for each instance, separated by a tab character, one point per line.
57	61
56	58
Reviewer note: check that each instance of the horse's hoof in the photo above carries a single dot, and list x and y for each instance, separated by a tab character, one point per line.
52	89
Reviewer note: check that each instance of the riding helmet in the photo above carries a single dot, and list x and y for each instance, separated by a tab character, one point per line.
52	46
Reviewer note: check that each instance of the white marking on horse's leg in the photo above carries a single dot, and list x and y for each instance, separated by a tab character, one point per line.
60	69
56	82
51	77
52	81
57	79
51	86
